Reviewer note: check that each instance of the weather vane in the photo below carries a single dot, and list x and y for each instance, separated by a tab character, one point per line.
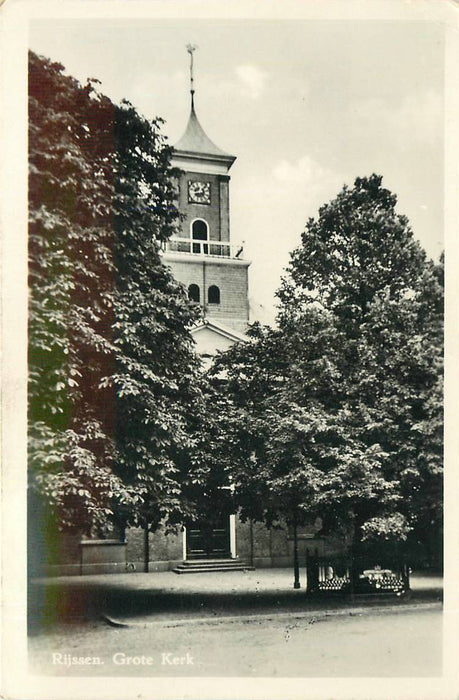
191	48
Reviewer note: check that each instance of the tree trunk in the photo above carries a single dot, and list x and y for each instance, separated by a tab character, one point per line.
356	552
146	547
296	563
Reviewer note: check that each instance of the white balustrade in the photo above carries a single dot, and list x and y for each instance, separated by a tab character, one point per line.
204	248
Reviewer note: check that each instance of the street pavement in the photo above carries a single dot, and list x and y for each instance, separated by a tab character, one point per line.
407	643
230	624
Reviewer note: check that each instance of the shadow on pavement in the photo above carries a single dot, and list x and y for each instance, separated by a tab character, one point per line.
74	600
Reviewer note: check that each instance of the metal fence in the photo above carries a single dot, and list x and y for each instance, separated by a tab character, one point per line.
343	574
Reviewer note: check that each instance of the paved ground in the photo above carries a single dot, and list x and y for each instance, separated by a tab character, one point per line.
167	596
406	643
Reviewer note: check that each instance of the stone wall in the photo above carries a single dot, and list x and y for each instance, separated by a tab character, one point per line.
165	550
102	556
50	552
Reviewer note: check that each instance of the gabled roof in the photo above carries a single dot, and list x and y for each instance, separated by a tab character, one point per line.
220	329
196	142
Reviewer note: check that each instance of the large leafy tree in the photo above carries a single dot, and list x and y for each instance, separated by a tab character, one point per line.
253	376
295	448
338	410
402	388
114	381
360	264
249	375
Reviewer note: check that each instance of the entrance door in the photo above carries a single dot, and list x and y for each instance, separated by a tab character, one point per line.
209	540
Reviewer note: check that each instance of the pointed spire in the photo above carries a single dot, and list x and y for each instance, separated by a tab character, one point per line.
195	141
191	48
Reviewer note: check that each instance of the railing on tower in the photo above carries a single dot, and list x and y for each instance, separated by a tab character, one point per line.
220	249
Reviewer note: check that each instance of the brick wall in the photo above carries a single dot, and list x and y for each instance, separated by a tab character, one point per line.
216	213
232	281
274	548
165	550
233	285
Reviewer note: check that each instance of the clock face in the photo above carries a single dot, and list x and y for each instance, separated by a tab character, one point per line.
199	192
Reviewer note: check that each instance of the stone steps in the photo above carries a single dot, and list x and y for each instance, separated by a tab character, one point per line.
196	566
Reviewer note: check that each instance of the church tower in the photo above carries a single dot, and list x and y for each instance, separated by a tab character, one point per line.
202	256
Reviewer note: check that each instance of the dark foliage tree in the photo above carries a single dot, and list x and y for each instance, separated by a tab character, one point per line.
295	451
338	412
248	375
114	381
252	376
402	359
360	264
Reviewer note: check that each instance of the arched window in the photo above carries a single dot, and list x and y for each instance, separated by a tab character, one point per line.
213	295
194	293
200	232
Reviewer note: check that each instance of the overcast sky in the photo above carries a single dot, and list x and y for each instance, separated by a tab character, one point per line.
305	105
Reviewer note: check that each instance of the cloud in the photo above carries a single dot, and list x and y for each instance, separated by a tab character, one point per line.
253	80
282	199
304	184
417	119
304	170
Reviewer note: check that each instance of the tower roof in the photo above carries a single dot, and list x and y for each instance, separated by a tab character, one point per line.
196	142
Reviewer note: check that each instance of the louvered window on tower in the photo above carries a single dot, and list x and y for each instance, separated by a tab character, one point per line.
214	295
194	293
